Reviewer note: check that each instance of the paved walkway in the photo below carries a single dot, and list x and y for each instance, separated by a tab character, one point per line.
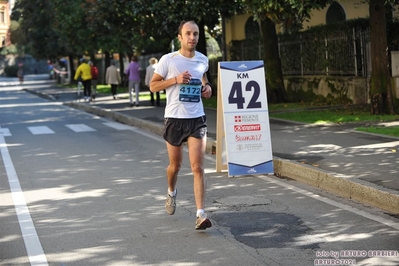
360	166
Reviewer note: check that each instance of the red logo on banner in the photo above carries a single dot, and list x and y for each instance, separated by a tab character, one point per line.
257	137
242	128
237	118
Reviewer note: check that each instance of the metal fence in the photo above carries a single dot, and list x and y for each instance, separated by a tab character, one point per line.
310	54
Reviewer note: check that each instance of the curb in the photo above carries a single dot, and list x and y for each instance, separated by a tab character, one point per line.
358	190
43	95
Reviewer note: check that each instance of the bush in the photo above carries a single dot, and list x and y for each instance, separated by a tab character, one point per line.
11	71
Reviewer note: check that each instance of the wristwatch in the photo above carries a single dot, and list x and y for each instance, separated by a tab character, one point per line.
207	83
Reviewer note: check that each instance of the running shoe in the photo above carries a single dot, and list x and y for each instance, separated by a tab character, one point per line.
170	204
202	222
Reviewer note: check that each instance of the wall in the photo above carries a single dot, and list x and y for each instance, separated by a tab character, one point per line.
353	9
307	88
235	27
395	87
4	21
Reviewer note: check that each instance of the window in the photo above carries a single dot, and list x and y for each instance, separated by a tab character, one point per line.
2	17
335	14
252	29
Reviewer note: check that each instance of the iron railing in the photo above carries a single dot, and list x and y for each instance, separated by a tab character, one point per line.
309	54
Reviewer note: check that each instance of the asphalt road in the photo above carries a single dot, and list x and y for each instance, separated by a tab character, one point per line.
78	189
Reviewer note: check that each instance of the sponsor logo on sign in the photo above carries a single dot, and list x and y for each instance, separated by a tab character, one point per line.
242	128
250	147
255	137
251	170
237	118
246	118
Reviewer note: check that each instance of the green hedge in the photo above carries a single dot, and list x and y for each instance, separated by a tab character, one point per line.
11	71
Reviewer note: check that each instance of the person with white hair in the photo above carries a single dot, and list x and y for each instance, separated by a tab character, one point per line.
113	78
133	74
148	76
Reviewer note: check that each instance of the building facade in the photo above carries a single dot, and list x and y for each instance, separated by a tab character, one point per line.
4	22
243	26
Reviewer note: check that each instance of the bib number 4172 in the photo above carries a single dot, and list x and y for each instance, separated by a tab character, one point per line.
236	95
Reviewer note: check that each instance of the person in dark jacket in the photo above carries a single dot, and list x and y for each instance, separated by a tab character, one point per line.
94	79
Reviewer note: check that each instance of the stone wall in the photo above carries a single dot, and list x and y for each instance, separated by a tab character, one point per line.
334	88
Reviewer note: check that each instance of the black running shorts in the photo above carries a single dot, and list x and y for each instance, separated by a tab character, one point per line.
178	130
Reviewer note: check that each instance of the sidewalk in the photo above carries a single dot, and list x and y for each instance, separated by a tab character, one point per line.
335	158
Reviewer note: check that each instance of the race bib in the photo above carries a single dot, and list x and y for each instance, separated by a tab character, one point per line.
191	92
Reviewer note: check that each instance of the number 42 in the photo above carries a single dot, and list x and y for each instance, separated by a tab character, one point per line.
235	96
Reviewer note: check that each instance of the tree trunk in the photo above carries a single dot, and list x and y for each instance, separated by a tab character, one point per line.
201	45
107	63
121	65
72	67
380	87
274	74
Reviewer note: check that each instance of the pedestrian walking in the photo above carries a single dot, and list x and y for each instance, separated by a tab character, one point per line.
20	73
84	72
133	74
94	79
183	75
113	78
148	76
51	69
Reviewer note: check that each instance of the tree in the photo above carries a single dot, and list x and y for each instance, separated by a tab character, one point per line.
35	32
84	26
270	13
160	19
380	85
